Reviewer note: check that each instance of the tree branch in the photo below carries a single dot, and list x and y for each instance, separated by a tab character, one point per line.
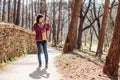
92	22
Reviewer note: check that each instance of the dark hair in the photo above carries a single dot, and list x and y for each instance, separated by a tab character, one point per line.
38	17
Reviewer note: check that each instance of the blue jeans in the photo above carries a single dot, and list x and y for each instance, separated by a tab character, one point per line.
43	44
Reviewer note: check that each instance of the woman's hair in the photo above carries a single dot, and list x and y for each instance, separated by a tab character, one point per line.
38	17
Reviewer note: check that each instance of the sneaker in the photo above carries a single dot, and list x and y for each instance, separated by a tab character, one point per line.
39	65
46	66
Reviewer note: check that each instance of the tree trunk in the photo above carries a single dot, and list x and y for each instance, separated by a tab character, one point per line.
102	31
3	12
35	8
38	5
50	36
91	39
9	10
32	12
112	60
95	14
22	14
41	4
0	11
59	21
45	10
42	7
26	13
82	19
69	12
14	13
54	25
79	42
29	14
70	41
62	26
18	13
73	3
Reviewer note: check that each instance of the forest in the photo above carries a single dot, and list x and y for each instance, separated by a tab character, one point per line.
88	26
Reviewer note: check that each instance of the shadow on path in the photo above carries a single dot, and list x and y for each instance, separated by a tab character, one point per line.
38	74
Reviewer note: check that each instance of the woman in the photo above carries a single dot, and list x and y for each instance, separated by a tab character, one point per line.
41	39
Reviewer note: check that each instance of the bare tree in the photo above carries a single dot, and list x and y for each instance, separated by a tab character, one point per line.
9	10
113	58
23	13
14	13
38	5
70	40
29	18
69	11
54	25
96	14
32	11
26	14
59	21
102	31
3	12
18	13
82	19
35	8
0	10
73	3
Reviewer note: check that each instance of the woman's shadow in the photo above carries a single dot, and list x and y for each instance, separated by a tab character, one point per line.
38	74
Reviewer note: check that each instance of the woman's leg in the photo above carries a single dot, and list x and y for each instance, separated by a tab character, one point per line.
45	52
39	53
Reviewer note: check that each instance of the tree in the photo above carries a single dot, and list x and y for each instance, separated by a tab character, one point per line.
26	13
32	11
23	14
38	5
42	6
0	10
73	4
70	40
9	10
69	11
54	25
59	21
18	13
3	12
82	20
35	8
112	60
102	30
95	14
29	19
14	13
45	9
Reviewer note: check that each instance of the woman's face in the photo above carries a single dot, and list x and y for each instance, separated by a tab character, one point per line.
41	20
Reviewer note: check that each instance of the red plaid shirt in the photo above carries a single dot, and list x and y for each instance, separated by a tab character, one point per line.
40	32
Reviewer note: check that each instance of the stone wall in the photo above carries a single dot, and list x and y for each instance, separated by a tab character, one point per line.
14	41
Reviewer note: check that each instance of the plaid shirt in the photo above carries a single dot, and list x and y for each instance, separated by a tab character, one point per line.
40	31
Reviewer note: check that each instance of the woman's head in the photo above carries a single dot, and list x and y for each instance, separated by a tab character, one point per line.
39	19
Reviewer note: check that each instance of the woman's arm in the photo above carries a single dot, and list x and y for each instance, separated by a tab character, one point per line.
47	27
36	29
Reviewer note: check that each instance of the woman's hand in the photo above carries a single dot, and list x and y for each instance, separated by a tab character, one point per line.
47	22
